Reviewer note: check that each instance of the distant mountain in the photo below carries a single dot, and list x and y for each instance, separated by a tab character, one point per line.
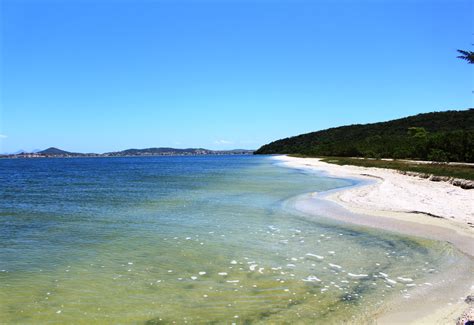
55	152
19	152
440	136
52	151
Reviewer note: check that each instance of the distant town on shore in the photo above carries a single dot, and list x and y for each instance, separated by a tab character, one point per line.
53	152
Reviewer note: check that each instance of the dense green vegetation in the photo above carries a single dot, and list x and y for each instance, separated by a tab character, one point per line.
438	136
438	169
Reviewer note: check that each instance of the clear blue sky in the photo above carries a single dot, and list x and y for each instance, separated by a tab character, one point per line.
95	76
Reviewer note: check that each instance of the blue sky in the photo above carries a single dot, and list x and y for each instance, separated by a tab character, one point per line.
96	76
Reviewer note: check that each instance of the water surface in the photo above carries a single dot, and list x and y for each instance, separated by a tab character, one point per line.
189	239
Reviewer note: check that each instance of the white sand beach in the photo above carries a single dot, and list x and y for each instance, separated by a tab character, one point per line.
409	205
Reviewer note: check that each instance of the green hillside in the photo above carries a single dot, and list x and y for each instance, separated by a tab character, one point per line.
439	136
52	151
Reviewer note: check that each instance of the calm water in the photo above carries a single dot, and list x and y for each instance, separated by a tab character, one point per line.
188	239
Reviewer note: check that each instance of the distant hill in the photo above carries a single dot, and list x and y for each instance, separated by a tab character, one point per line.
52	151
173	152
440	136
159	151
55	152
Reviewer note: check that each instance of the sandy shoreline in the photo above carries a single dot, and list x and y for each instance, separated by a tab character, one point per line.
388	200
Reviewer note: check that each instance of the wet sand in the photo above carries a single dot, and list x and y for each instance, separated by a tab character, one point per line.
398	203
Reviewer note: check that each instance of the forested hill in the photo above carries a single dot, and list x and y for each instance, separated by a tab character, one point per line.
439	136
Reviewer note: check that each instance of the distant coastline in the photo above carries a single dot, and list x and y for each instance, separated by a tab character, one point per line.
53	152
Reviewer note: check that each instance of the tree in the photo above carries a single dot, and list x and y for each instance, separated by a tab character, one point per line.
418	132
418	140
466	55
438	155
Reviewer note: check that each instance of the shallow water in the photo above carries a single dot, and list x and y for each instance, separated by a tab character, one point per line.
190	239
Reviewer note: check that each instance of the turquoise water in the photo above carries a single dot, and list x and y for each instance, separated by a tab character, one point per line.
189	240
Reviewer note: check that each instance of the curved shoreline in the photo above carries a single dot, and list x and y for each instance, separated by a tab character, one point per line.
441	304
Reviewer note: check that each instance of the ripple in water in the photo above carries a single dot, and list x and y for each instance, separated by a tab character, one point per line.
189	239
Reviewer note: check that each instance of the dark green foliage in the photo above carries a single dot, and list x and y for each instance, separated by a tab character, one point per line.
438	155
437	169
440	136
54	151
466	55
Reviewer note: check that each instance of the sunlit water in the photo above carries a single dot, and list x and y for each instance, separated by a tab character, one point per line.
189	239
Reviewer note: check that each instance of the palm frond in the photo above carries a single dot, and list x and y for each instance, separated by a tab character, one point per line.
466	55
